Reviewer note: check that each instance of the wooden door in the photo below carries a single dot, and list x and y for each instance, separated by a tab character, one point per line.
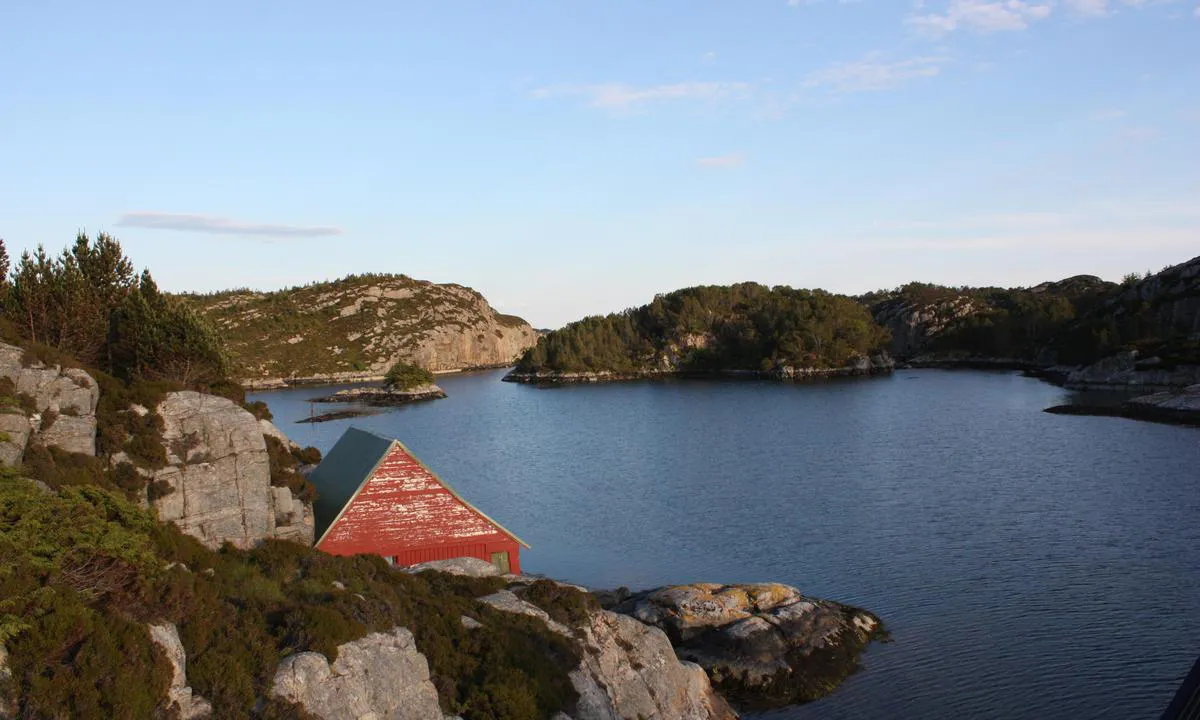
500	560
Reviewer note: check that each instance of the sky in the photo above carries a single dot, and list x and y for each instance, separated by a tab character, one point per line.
575	157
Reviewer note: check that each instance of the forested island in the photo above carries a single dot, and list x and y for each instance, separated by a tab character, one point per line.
746	328
1081	331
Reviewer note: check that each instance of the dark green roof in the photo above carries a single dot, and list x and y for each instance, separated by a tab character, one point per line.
342	471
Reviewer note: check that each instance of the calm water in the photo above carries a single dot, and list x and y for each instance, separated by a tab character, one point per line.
1029	565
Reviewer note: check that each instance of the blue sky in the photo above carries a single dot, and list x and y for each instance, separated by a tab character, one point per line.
569	158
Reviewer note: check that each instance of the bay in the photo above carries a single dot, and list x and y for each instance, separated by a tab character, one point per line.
1028	565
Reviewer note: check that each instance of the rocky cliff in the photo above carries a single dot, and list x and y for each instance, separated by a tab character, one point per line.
52	405
356	328
217	483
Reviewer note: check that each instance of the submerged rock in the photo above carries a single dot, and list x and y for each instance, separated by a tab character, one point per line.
762	644
383	675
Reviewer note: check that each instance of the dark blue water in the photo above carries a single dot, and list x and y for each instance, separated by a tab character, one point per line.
1029	565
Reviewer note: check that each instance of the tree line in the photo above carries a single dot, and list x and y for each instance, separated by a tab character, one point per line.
736	327
88	303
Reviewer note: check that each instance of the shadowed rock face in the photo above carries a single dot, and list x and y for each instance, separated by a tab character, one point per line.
65	401
380	676
762	645
220	476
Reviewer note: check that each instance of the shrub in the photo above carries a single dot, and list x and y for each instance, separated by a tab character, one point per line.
403	376
284	462
563	603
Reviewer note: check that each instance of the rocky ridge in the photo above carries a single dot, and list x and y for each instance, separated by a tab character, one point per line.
354	329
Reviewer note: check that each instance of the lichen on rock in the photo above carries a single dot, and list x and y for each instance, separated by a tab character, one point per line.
383	675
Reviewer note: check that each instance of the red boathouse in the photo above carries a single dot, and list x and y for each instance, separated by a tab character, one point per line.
374	496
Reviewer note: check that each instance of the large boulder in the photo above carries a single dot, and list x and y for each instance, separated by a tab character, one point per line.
380	676
627	670
762	644
180	699
219	477
64	400
630	671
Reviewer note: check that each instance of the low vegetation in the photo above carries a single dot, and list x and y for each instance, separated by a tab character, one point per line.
403	376
738	327
82	571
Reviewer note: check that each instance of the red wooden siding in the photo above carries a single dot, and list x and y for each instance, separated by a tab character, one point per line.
403	511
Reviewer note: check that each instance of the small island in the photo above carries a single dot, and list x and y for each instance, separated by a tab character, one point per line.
403	384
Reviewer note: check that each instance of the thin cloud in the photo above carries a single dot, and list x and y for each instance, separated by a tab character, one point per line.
208	224
982	16
872	74
722	161
623	98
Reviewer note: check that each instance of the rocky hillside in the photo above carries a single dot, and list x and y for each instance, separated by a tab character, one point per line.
1081	331
358	327
156	562
742	329
982	323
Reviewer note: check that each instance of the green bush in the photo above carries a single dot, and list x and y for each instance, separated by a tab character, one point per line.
284	463
403	376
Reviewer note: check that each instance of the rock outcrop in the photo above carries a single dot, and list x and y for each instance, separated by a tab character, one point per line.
630	671
219	475
627	670
463	566
762	645
383	675
353	330
1128	369
1173	407
913	325
63	403
180	699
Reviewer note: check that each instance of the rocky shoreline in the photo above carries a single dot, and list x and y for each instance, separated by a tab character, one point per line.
760	646
1173	407
381	397
346	378
878	365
